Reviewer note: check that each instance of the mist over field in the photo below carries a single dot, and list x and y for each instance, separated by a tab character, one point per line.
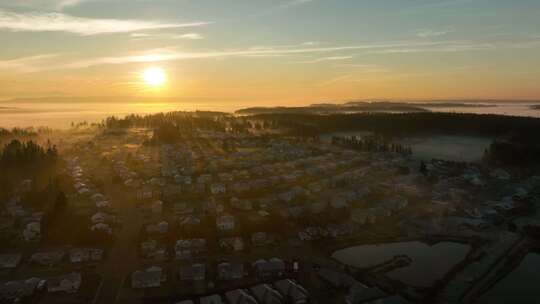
60	114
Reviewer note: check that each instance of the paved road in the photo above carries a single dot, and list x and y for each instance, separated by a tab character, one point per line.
121	260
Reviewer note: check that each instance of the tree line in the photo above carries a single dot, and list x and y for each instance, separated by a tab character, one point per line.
185	121
370	144
401	124
26	154
516	150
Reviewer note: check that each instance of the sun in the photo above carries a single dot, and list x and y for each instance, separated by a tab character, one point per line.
154	77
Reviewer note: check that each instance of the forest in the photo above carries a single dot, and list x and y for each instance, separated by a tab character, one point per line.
401	124
21	155
20	160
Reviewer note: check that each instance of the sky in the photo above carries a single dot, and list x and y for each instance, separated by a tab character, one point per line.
283	52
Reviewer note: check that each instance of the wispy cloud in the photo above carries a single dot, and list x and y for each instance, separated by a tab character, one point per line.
159	55
364	68
280	7
450	48
167	36
329	58
58	22
27	64
293	3
56	5
175	54
429	33
382	48
66	3
191	36
422	7
283	46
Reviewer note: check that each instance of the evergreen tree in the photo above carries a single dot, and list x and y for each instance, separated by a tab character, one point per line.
423	168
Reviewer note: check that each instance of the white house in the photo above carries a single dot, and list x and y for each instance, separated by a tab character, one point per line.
32	231
101	217
225	222
217	188
293	291
213	299
230	271
9	260
232	244
240	296
266	294
151	277
195	272
69	283
102	227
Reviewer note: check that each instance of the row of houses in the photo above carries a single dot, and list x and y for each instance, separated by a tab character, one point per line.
280	292
225	271
16	291
239	180
189	248
101	220
13	211
53	258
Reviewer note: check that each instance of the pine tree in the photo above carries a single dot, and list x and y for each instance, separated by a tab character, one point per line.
423	168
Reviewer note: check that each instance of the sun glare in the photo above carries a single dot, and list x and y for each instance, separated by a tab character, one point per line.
154	77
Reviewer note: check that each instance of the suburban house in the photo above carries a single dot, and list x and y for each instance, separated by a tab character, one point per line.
266	294
217	188
79	255
69	283
189	221
101	217
240	296
185	249
225	222
47	258
158	228
230	271
151	277
182	208
213	299
293	291
269	268
259	239
17	290
102	227
32	231
232	243
195	272
151	250
8	261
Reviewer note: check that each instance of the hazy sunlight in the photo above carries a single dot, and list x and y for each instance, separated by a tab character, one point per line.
154	77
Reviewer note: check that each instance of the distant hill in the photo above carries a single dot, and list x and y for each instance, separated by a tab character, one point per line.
434	104
375	107
368	106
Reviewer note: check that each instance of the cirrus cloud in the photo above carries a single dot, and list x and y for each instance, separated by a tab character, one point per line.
58	22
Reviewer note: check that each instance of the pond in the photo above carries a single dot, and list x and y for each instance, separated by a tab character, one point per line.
448	147
520	286
429	263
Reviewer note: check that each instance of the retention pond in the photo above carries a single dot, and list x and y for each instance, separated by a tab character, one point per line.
429	263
